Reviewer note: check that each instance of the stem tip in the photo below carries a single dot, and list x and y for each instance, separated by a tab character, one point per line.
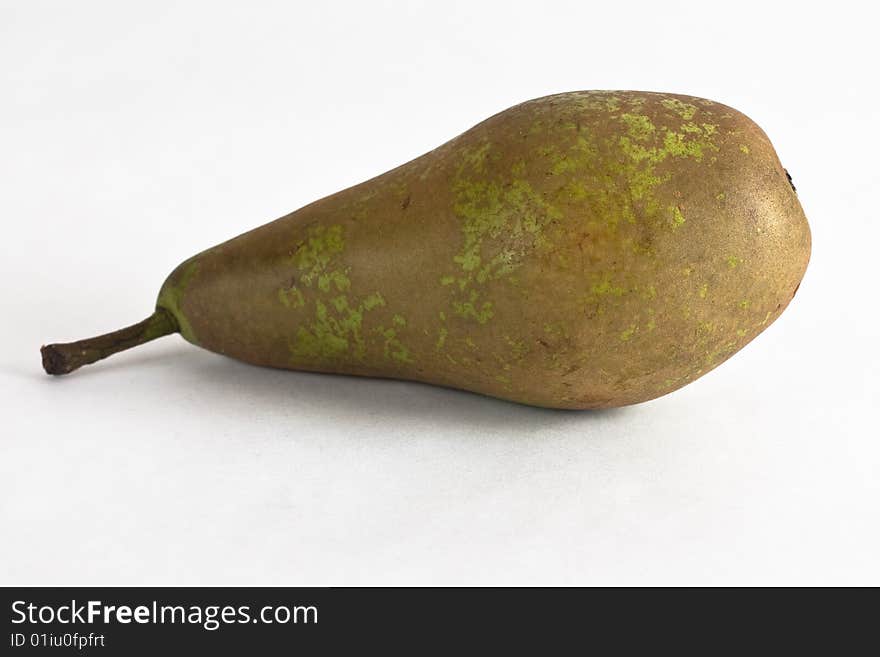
65	358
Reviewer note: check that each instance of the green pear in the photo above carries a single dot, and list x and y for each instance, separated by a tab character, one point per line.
583	250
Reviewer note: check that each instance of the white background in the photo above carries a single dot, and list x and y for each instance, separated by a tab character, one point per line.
135	134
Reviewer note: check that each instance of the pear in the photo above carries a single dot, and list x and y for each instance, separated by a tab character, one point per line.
582	250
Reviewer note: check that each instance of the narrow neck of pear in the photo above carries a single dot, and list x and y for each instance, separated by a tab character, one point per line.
67	357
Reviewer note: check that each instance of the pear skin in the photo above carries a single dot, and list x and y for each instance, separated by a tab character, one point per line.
583	250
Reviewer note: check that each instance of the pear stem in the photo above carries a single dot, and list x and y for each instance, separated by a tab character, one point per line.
65	358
